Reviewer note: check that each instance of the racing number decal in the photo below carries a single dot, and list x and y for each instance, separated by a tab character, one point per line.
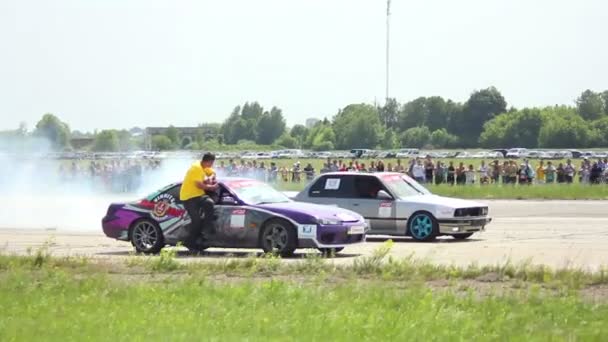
385	210
237	218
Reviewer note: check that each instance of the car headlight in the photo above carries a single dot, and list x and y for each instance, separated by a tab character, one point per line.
445	211
328	221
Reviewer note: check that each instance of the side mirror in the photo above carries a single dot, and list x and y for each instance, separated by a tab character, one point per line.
383	195
228	200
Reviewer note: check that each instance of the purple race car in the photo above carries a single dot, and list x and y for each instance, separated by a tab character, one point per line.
249	214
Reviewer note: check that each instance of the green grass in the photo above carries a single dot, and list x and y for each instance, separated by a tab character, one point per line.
376	298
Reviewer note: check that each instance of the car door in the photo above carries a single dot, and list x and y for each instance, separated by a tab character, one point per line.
334	190
236	225
380	213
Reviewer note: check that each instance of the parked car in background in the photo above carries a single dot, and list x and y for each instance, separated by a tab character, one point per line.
408	153
464	155
517	153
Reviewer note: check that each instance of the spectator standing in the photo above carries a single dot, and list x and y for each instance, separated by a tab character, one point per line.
389	167
451	173
440	173
470	175
561	173
399	167
484	175
540	172
380	166
522	174
550	173
272	172
495	172
429	167
309	171
418	171
372	167
460	174
513	172
569	172
596	173
585	172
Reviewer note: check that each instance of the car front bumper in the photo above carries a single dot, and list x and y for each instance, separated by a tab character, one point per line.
334	236
463	225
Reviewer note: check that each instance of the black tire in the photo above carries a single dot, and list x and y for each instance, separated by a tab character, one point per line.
278	236
462	236
423	226
147	237
330	251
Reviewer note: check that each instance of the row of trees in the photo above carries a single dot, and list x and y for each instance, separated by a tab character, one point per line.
482	121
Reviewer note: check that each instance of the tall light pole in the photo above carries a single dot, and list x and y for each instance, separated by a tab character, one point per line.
388	22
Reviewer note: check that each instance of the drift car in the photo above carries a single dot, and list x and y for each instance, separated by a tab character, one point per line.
395	204
248	214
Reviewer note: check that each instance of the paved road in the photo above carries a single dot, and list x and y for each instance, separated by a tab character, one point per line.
555	233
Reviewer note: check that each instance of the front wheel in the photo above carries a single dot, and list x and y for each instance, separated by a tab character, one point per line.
423	226
462	236
278	236
147	237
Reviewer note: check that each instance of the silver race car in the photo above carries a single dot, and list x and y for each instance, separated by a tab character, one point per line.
395	204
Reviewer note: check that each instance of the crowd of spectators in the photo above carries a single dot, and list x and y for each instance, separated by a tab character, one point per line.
427	170
108	175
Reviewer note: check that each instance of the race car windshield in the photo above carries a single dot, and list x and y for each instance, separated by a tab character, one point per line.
253	192
402	187
417	186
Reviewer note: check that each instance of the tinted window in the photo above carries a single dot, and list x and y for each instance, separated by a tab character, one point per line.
174	191
333	186
367	187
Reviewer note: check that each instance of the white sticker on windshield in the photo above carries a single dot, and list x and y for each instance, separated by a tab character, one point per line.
332	183
237	219
385	210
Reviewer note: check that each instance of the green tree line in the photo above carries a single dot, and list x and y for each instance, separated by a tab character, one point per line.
484	120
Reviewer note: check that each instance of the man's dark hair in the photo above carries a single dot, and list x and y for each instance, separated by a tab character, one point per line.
207	157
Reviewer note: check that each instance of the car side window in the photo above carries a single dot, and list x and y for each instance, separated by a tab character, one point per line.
333	187
174	192
367	187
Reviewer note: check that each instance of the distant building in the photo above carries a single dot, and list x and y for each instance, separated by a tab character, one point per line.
187	135
310	123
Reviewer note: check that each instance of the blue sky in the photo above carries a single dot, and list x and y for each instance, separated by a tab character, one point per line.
124	63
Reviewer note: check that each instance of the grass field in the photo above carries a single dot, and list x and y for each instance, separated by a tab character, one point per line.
158	298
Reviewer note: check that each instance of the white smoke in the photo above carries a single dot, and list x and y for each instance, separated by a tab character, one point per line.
35	194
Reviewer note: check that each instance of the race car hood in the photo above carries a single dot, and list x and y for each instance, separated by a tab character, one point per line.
443	201
296	210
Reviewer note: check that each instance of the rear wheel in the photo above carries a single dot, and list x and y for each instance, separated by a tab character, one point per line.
330	251
279	236
423	226
462	236
147	237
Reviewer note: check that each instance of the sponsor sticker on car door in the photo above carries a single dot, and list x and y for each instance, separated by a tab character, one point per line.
385	209
237	218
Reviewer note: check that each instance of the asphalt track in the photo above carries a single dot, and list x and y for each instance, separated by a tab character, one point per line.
554	233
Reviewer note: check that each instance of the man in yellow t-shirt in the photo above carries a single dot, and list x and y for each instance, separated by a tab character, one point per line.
540	172
198	183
